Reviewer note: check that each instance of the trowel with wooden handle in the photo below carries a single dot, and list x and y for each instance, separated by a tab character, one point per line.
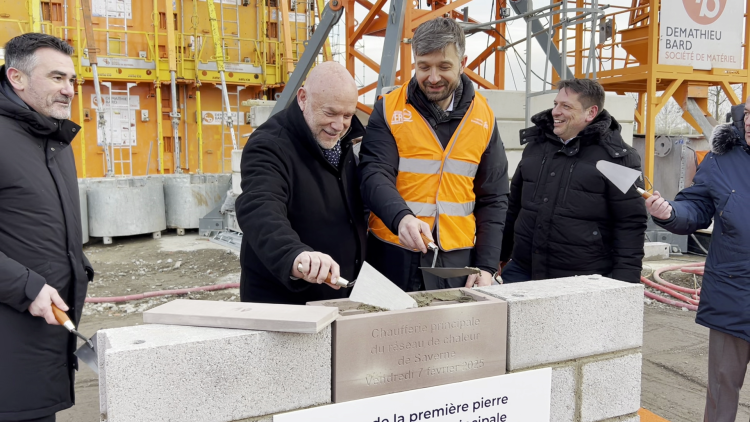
87	352
620	176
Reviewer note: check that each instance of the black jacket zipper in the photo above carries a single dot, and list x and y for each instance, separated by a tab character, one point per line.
567	185
539	178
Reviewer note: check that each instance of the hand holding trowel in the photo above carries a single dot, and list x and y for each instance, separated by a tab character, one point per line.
87	352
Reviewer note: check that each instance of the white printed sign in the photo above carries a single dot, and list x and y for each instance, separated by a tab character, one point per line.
119	128
112	8
703	34
293	17
217	118
519	397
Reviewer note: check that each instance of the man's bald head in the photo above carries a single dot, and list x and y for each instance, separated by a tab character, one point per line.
328	101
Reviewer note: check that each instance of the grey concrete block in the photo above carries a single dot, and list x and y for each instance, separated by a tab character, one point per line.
236	160
164	373
611	388
655	251
236	183
509	133
561	319
563	402
507	105
633	419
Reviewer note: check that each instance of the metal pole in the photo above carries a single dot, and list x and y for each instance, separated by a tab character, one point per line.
184	106
564	46
199	118
101	122
529	8
175	115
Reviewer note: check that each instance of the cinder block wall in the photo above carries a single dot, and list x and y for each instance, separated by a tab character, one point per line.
588	329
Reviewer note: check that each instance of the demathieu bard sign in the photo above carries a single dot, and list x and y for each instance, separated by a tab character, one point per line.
703	34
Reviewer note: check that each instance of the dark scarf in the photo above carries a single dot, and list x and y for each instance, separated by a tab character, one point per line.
422	103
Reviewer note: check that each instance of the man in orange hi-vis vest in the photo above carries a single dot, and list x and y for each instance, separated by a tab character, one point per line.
432	163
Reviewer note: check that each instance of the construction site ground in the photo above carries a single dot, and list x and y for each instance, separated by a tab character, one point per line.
675	348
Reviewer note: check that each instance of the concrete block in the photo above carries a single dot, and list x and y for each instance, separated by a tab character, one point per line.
514	158
259	115
161	373
611	388
627	133
508	130
236	159
561	319
507	105
563	403
655	251
236	183
633	419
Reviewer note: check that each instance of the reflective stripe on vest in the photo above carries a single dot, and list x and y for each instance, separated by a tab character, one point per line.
437	184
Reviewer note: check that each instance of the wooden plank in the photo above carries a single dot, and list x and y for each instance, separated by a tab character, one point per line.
246	316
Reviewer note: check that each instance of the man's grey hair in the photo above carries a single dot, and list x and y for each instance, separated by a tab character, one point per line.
590	92
436	34
19	51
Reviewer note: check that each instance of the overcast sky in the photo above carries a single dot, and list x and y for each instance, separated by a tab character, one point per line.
481	10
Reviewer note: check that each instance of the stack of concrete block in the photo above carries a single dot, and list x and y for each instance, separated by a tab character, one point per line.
236	175
193	374
510	114
589	330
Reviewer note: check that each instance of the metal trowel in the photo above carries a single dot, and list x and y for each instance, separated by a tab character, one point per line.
620	176
375	289
444	272
87	352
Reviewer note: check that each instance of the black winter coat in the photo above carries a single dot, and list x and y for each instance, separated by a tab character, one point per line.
40	243
293	200
721	191
564	217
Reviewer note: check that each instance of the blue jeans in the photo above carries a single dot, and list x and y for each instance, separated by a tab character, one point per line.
514	273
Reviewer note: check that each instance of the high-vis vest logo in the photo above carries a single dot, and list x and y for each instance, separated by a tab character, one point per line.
705	12
437	183
401	117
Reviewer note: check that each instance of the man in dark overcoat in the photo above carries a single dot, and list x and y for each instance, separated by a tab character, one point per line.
41	255
300	206
720	193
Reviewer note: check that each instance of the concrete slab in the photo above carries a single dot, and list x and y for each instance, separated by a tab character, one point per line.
655	251
611	388
592	315
157	373
236	159
563	403
246	316
236	186
509	133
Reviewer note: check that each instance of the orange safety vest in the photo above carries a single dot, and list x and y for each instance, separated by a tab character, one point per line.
437	184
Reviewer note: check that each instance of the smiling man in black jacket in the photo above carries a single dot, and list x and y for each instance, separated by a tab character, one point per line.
41	256
433	163
564	217
300	201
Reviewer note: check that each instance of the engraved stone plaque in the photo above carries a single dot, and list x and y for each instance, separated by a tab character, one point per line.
448	341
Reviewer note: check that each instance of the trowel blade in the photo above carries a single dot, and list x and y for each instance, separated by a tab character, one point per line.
88	355
375	289
450	272
620	176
